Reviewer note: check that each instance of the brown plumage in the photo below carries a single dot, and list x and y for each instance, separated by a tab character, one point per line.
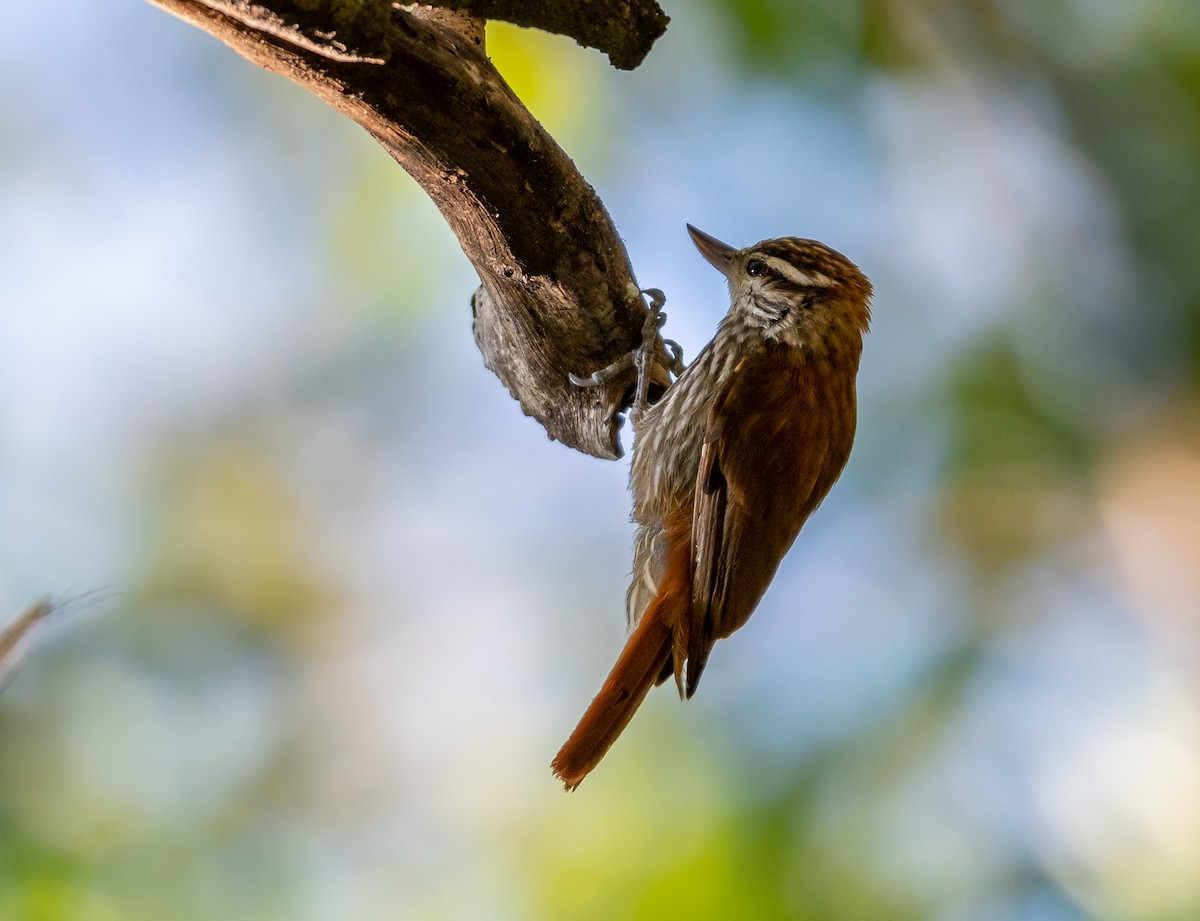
728	466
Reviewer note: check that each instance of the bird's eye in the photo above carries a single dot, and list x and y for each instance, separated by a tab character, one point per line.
755	267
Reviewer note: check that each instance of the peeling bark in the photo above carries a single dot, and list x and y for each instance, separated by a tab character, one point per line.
558	294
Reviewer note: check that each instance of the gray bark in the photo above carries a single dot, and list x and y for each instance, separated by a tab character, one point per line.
558	294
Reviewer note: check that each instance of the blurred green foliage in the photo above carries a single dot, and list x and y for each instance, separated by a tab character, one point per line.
341	651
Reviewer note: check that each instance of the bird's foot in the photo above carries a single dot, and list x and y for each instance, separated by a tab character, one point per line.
641	358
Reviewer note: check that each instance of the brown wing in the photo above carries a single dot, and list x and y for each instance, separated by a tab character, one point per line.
775	442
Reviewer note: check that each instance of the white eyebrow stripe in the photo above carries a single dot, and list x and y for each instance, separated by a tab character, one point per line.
795	276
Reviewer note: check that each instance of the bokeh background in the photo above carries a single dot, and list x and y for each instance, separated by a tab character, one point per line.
351	600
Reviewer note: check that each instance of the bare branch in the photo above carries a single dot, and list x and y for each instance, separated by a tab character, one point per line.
15	638
18	636
558	294
625	30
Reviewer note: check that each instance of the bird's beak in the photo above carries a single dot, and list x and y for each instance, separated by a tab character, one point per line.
719	254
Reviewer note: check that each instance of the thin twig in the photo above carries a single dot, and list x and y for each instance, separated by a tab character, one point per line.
17	638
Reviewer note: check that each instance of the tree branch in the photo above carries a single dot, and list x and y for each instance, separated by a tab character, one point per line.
558	295
625	30
14	636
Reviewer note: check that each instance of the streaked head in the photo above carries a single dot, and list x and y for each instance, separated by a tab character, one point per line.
797	291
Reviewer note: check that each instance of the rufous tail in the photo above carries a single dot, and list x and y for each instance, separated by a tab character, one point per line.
642	661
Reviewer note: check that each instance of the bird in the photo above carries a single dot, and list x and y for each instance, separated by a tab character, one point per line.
728	465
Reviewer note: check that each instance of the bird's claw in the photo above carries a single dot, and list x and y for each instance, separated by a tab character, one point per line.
641	357
676	366
604	375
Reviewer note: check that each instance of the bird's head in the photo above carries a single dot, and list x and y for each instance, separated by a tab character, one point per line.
796	291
